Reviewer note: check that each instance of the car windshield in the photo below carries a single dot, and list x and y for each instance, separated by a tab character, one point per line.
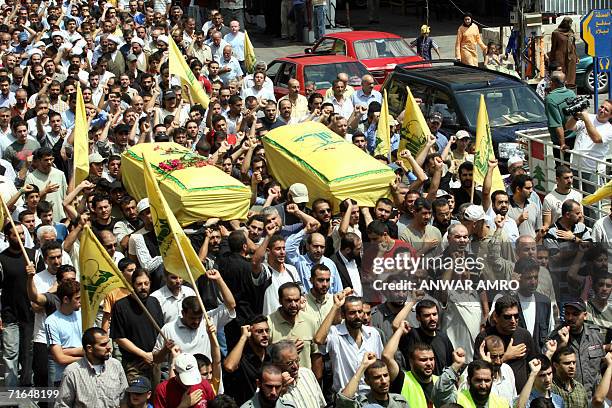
382	48
506	106
323	75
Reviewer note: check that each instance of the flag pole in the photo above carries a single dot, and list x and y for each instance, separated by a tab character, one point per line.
193	283
472	192
146	311
8	215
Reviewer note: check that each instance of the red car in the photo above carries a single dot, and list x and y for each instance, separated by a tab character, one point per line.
321	69
380	52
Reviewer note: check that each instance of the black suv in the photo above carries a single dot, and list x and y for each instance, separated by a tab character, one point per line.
454	89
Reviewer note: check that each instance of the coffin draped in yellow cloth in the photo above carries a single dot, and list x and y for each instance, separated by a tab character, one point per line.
328	165
194	193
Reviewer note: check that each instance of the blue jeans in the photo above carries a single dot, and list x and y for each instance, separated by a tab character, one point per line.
16	353
319	17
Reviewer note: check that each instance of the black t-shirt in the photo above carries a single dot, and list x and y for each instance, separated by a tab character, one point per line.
97	227
241	384
462	197
53	302
519	366
129	321
13	282
442	347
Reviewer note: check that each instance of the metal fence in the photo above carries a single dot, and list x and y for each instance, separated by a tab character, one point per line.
572	6
539	154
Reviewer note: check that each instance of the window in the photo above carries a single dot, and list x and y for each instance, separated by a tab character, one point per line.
324	75
285	74
443	103
273	68
396	95
507	106
330	46
382	48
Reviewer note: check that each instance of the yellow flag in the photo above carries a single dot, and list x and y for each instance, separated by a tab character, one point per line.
81	140
383	133
170	236
249	54
178	66
99	276
414	132
602	193
484	150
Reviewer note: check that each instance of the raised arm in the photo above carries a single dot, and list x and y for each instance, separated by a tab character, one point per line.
534	365
352	386
321	334
226	293
390	349
232	361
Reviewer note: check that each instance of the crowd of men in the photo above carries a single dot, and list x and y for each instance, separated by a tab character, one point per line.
294	314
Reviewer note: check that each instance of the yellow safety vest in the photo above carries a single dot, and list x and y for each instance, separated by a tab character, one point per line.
464	398
412	391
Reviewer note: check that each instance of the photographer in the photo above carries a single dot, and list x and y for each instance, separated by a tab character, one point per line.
593	134
555	102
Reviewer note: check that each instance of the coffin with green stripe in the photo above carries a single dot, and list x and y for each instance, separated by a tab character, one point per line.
328	165
193	193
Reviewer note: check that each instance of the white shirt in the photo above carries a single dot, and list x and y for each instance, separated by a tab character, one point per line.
263	93
586	146
345	108
528	306
43	282
509	227
554	200
172	305
346	356
271	302
138	247
305	392
360	98
353	271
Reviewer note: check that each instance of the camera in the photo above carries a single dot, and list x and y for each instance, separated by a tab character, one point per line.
576	105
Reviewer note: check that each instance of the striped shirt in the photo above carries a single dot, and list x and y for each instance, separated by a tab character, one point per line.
83	387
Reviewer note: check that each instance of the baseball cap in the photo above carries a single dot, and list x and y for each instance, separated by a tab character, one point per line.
435	117
299	192
169	95
96	158
462	134
474	213
139	385
142	205
577	303
442	193
132	57
186	367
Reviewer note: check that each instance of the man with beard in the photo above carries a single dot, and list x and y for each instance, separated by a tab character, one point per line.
49	180
442	215
376	375
81	385
130	222
143	246
243	363
301	386
171	296
349	222
349	341
497	212
462	194
584	342
315	247
527	215
133	331
382	212
492	350
423	237
479	379
535	309
290	322
297	194
565	383
539	384
599	313
318	299
348	262
517	341
269	386
468	37
428	332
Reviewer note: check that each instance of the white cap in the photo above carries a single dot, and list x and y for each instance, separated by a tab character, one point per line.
514	160
76	51
138	41
33	51
58	33
113	38
163	38
299	193
462	134
186	367
474	213
39	44
142	205
442	193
